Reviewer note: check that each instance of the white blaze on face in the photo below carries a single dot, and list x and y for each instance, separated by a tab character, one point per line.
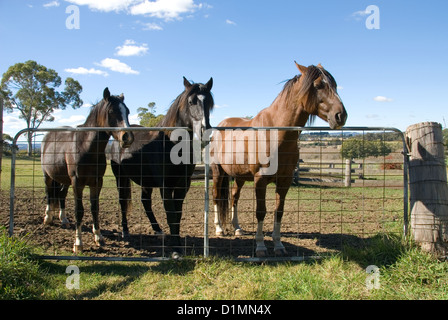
124	115
201	98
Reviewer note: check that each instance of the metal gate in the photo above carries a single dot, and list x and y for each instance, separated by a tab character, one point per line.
332	202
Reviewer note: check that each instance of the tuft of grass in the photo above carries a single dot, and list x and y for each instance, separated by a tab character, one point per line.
21	276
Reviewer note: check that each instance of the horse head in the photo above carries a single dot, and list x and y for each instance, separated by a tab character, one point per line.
198	105
116	115
324	100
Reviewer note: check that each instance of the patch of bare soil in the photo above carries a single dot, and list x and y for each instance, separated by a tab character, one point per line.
303	233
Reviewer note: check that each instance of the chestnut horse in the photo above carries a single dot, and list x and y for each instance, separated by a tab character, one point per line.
77	158
311	94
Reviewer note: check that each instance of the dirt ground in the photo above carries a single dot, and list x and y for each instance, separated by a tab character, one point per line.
311	226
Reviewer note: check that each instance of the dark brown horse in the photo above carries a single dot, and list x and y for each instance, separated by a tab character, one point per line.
77	159
150	162
313	93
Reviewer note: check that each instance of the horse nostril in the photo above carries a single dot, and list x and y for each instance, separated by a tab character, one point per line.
127	138
339	117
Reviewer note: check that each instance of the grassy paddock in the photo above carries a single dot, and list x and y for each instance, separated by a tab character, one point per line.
404	273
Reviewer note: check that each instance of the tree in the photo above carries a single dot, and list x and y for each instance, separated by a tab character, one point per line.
148	116
7	147
359	149
30	88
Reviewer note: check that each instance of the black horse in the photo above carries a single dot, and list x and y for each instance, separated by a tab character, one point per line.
77	159
149	161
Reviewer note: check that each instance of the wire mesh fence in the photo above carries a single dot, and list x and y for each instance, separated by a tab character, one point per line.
349	186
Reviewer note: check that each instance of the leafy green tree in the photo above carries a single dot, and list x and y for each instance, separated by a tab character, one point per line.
7	146
31	89
360	149
148	117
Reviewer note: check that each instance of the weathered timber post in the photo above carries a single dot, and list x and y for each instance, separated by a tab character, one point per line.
348	172
428	187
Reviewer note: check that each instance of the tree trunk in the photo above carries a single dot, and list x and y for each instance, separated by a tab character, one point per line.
428	187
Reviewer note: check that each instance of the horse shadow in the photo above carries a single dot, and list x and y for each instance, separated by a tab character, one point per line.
379	250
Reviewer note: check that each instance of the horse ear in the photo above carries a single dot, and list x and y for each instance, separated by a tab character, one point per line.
301	68
318	82
106	94
187	83
121	97
320	66
209	84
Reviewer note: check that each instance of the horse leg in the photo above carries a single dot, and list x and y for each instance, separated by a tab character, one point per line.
281	192
79	213
236	191
147	204
173	217
260	192
52	199
94	207
124	198
220	198
217	185
62	216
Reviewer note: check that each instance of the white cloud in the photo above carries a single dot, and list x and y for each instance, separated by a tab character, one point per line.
382	99
52	4
233	23
151	26
73	120
13	122
134	118
105	5
162	9
117	66
129	48
358	15
82	70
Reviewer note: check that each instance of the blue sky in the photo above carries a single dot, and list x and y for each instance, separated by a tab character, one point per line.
394	76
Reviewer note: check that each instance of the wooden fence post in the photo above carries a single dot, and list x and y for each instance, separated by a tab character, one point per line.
348	172
428	187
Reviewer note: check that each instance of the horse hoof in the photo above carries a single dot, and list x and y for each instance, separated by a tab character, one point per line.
281	252
176	256
65	225
219	233
100	243
239	232
77	248
262	253
47	221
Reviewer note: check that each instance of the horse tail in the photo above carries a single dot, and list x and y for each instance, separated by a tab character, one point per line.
221	193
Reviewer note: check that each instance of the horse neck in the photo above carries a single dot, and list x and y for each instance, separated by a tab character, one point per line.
94	142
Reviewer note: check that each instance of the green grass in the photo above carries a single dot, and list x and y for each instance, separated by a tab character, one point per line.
405	272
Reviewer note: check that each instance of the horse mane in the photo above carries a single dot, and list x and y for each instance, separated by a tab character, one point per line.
95	112
307	90
93	115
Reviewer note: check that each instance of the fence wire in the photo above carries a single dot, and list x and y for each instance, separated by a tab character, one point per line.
332	202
